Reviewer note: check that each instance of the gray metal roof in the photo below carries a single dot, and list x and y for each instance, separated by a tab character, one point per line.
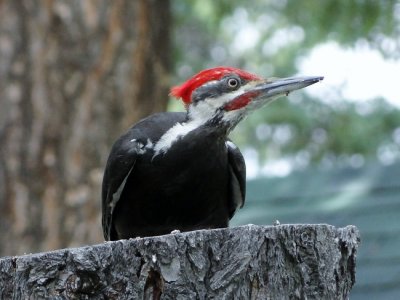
367	197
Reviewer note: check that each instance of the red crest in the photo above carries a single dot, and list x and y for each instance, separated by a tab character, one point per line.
185	90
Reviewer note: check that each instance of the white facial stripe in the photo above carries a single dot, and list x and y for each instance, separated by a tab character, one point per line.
199	114
207	108
219	101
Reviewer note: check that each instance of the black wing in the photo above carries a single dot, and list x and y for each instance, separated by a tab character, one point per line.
119	166
237	180
122	159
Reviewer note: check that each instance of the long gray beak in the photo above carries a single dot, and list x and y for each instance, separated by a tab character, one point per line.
271	88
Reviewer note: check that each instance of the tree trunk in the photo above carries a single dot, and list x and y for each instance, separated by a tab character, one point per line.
73	76
249	262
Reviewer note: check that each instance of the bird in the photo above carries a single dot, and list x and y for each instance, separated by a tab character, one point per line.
179	170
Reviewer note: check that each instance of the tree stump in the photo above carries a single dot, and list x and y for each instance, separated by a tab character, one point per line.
248	262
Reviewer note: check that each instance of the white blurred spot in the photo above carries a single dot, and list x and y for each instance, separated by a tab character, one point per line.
277	168
357	74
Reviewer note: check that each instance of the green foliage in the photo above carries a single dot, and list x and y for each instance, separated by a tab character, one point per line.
325	132
345	21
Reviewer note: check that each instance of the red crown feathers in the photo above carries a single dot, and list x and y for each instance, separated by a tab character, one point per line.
185	90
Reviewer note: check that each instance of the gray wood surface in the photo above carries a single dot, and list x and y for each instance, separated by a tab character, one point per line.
248	262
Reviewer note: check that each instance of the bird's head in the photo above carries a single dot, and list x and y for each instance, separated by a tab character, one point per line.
225	95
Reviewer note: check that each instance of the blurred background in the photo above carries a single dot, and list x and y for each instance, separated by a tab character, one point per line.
76	74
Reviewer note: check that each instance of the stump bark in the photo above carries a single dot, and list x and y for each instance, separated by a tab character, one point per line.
248	262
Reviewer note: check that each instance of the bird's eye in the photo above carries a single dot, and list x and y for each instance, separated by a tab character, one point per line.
233	82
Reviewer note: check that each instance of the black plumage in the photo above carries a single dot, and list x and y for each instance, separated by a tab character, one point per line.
199	186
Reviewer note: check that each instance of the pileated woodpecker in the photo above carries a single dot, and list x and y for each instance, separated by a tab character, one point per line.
180	171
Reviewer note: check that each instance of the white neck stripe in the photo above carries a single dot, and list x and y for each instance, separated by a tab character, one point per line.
174	134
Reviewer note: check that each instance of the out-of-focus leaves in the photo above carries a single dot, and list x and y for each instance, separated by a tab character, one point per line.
207	31
322	130
346	21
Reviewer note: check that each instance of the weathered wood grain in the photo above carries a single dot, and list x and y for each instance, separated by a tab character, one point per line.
248	262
